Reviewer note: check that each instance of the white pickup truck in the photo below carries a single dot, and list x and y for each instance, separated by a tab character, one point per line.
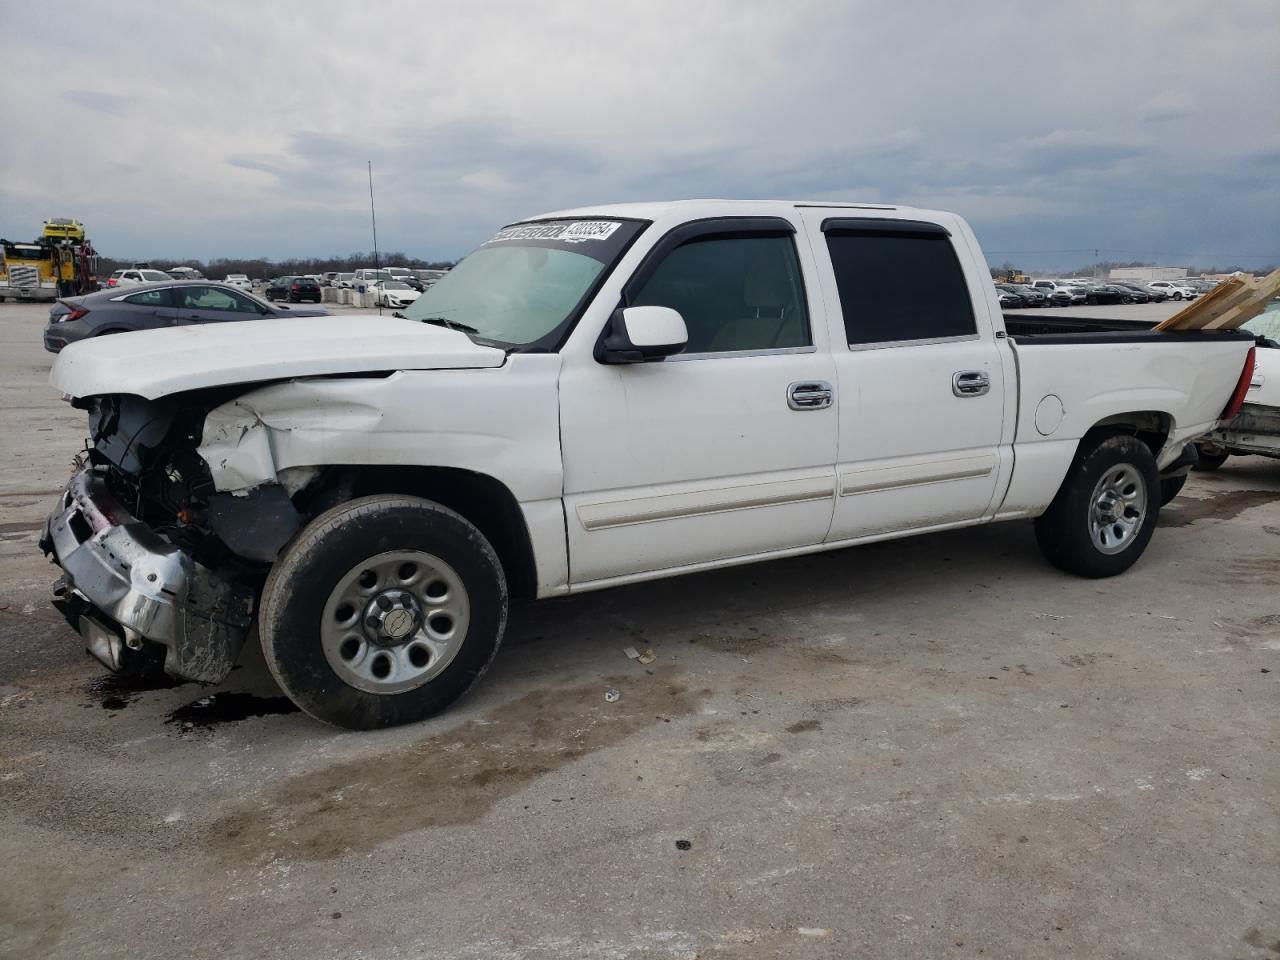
596	397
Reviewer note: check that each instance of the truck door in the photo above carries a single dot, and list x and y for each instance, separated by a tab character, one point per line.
920	376
725	450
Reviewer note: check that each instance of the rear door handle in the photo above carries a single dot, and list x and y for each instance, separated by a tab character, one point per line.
810	395
971	383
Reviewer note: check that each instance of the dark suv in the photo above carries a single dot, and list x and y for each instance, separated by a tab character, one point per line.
302	289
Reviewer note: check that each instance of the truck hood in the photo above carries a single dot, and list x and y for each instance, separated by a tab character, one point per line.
155	363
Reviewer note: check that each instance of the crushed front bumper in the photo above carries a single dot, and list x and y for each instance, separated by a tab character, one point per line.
123	584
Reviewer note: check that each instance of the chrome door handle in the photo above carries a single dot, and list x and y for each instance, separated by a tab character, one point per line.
971	383
810	395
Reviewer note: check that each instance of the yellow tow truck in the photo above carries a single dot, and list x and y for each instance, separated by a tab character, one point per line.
61	262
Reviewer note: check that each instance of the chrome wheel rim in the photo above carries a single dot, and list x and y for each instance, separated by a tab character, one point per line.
394	621
1117	508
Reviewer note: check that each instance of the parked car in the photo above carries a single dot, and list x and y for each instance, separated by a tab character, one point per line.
344	280
1060	293
185	273
594	398
303	289
1104	293
1033	297
1009	301
1256	429
327	278
1030	295
394	293
366	278
1175	289
131	277
1156	295
151	306
278	288
1131	292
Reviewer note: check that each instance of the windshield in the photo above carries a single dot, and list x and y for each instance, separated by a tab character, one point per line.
523	286
394	285
154	275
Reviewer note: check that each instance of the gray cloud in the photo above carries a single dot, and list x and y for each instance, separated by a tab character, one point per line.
98	101
487	111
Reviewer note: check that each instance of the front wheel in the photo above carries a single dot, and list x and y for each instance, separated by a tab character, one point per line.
383	611
1100	522
1177	296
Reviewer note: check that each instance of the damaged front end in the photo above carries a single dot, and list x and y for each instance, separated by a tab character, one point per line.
155	559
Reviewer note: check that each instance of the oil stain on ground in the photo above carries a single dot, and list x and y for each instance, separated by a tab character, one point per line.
444	780
1223	506
219	708
116	691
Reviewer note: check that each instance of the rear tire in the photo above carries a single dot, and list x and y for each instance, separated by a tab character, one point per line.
1170	487
1100	522
383	611
1210	461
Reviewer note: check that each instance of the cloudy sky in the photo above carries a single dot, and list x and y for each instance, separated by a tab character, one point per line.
1149	130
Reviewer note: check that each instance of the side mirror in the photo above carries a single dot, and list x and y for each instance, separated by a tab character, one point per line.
641	334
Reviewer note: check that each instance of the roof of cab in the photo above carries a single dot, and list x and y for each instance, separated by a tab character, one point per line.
697	209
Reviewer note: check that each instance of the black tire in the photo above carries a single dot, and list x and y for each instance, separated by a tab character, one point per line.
1126	299
329	548
1064	530
1209	462
1170	487
1177	296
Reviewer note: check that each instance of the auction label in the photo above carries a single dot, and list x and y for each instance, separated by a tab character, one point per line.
577	231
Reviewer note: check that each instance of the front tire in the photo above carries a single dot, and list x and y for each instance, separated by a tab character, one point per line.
383	611
1100	522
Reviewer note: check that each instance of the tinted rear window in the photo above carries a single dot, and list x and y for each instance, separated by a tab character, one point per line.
897	285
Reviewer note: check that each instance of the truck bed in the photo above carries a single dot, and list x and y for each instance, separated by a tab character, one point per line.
1033	331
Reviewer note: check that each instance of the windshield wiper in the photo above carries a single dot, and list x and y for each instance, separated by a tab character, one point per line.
451	324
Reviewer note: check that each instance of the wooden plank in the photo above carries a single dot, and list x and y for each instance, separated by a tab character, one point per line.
1261	292
1203	309
1238	315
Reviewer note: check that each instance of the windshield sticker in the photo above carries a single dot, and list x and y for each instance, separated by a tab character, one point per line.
578	231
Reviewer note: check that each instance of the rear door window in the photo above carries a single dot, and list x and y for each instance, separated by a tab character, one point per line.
899	282
151	298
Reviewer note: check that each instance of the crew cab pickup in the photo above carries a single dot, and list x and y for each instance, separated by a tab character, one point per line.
595	397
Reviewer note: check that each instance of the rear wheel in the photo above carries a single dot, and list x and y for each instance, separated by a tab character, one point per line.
1210	460
383	611
1170	487
1104	514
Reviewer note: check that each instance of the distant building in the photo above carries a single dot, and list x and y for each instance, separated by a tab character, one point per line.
1147	274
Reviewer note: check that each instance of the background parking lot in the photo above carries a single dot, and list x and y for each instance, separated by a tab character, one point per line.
939	746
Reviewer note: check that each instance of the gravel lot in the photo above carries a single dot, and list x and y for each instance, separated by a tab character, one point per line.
934	747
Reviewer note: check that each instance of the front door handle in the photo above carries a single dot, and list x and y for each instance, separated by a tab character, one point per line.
810	395
971	383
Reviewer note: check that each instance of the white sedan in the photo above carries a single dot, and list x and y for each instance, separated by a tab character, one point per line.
239	280
394	293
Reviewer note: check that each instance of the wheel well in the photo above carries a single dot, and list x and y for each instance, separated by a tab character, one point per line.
479	498
1149	426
